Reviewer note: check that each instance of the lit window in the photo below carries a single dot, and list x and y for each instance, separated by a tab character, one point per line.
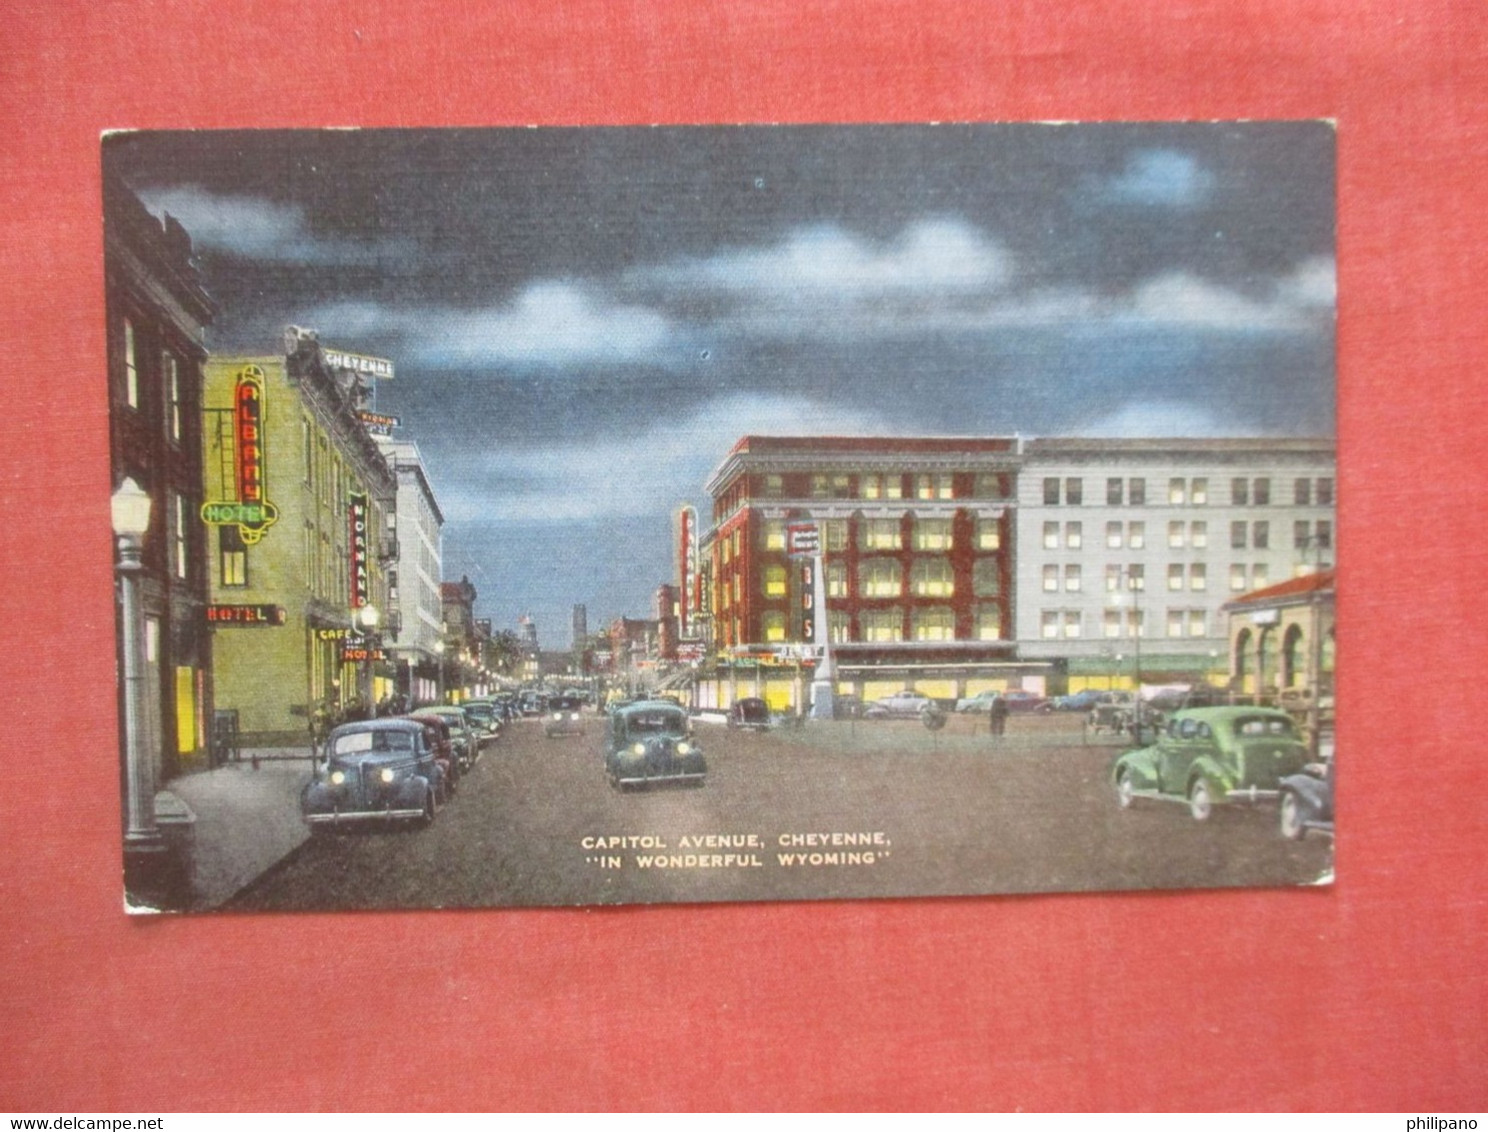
1197	626
774	581
172	394
1113	536
1111	623
1049	624
880	577
931	577
1051	536
881	534
131	367
1237	577
834	535
1071	623
1176	532
1114	492
1198	577
1113	579
986	578
1175	622
772	624
987	486
819	487
1175	576
836	576
1177	491
841	487
774	532
988	621
1072	579
1051	579
179	534
1072	535
1259	577
774	486
989	534
932	534
839	626
1136	577
234	556
1198	492
870	487
936	623
882	624
1198	535
933	487
1136	535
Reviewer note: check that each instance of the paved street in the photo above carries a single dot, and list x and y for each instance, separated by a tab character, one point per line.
918	814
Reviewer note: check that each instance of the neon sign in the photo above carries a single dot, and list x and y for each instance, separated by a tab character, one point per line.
361	579
251	510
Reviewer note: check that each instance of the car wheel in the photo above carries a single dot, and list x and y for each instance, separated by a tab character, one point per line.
1291	817
1125	791
1200	803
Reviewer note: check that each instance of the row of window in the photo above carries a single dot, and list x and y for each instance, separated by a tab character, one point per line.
1245	491
926	623
881	578
170	382
873	485
1117	623
1190	576
1256	534
926	534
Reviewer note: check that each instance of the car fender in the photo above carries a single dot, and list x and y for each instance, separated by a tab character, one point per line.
1217	774
1141	765
1312	791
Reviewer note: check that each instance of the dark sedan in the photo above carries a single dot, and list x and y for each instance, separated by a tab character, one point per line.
376	770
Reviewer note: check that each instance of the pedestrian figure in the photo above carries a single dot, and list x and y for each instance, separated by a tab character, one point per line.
999	714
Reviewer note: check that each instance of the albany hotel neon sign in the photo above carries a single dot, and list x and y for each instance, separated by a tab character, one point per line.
251	511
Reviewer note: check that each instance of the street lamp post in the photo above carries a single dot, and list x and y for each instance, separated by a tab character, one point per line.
1133	583
367	616
143	844
439	676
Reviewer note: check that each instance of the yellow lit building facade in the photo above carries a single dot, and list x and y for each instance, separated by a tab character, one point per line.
301	524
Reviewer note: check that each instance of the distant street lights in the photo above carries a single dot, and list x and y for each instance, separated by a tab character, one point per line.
143	844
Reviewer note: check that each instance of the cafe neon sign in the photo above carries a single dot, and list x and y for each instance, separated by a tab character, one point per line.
251	511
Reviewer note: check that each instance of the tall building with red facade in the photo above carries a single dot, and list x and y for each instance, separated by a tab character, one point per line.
916	535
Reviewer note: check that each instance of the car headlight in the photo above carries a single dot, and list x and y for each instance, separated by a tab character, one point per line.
684	748
338	777
557	715
639	749
387	774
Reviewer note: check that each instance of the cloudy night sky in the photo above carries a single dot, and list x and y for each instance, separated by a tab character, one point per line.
584	320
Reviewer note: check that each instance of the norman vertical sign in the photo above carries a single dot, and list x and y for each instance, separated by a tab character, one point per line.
361	581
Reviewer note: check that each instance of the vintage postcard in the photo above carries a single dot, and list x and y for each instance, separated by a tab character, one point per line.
525	517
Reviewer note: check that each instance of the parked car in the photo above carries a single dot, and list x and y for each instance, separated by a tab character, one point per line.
1213	756
532	703
649	742
749	714
980	704
563	717
1020	702
438	734
375	770
900	704
1077	701
1307	801
486	716
1118	711
463	739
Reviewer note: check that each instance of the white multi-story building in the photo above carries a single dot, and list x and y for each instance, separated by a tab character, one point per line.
415	627
1128	549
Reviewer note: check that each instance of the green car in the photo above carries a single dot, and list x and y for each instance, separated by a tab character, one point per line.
1210	756
651	742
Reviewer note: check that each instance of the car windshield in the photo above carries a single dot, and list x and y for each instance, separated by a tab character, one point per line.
1251	725
656	723
358	742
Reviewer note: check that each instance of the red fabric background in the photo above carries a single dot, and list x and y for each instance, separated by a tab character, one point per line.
1370	995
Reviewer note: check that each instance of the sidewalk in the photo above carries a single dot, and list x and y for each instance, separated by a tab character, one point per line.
246	820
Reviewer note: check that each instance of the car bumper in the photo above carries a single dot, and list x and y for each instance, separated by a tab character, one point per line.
1250	795
633	779
336	817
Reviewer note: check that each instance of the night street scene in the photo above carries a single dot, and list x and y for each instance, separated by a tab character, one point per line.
578	516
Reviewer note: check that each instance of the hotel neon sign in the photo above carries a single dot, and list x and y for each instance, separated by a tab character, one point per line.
251	511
